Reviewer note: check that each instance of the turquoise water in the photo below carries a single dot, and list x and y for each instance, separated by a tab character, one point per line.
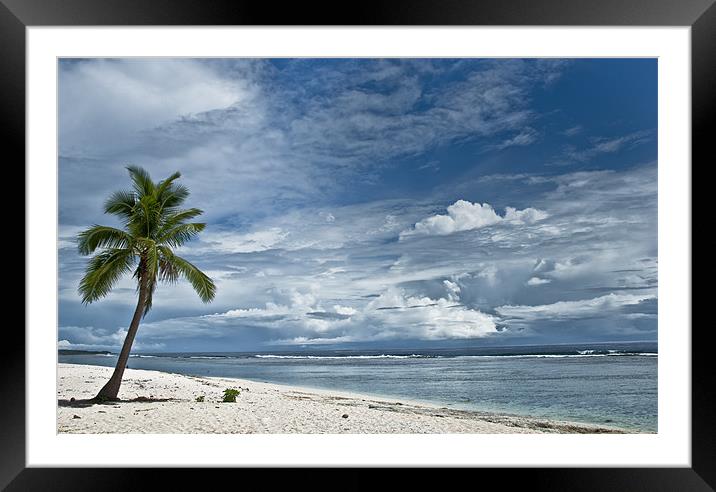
613	384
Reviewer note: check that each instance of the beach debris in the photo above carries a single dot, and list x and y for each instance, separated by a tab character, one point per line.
75	416
345	415
72	399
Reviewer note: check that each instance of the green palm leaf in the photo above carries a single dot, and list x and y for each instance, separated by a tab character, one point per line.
143	184
153	224
174	196
103	272
181	234
99	236
121	204
179	217
201	283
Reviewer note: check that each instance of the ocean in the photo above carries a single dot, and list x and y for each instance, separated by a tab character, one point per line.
609	383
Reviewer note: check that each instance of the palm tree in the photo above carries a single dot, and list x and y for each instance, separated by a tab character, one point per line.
153	224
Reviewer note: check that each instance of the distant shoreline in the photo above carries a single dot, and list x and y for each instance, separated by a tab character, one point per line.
267	408
83	352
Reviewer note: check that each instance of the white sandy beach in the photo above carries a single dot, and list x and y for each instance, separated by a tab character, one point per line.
263	408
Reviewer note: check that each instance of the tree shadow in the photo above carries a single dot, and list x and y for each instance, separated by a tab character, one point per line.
74	403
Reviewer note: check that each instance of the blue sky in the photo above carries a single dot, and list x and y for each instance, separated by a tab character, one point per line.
374	203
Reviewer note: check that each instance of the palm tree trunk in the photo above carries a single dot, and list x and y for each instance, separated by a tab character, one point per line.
110	390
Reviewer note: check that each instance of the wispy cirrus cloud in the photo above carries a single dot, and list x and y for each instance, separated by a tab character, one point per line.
602	145
599	306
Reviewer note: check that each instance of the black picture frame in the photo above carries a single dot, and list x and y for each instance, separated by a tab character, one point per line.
700	15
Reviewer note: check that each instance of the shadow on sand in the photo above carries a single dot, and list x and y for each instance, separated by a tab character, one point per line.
72	402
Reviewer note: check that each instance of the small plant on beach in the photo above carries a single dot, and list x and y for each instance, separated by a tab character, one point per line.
230	395
200	399
153	223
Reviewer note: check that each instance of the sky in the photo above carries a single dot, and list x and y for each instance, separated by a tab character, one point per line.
373	203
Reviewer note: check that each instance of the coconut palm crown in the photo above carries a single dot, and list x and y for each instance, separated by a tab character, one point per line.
153	224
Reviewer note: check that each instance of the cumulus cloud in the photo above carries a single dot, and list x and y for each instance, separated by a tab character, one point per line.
402	316
466	216
526	216
392	315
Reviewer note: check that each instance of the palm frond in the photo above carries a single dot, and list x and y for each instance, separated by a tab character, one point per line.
180	234
201	283
173	219
103	271
167	270
178	217
121	203
174	196
147	217
143	184
99	236
166	183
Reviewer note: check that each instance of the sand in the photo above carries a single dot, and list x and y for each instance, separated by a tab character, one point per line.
264	408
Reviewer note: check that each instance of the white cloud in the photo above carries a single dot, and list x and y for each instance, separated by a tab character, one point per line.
453	290
104	102
229	242
526	216
598	306
574	130
537	281
525	137
604	145
465	216
91	338
392	315
404	316
345	310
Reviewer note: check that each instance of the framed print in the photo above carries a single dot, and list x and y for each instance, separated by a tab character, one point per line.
454	236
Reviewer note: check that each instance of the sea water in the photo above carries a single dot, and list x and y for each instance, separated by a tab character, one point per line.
612	384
